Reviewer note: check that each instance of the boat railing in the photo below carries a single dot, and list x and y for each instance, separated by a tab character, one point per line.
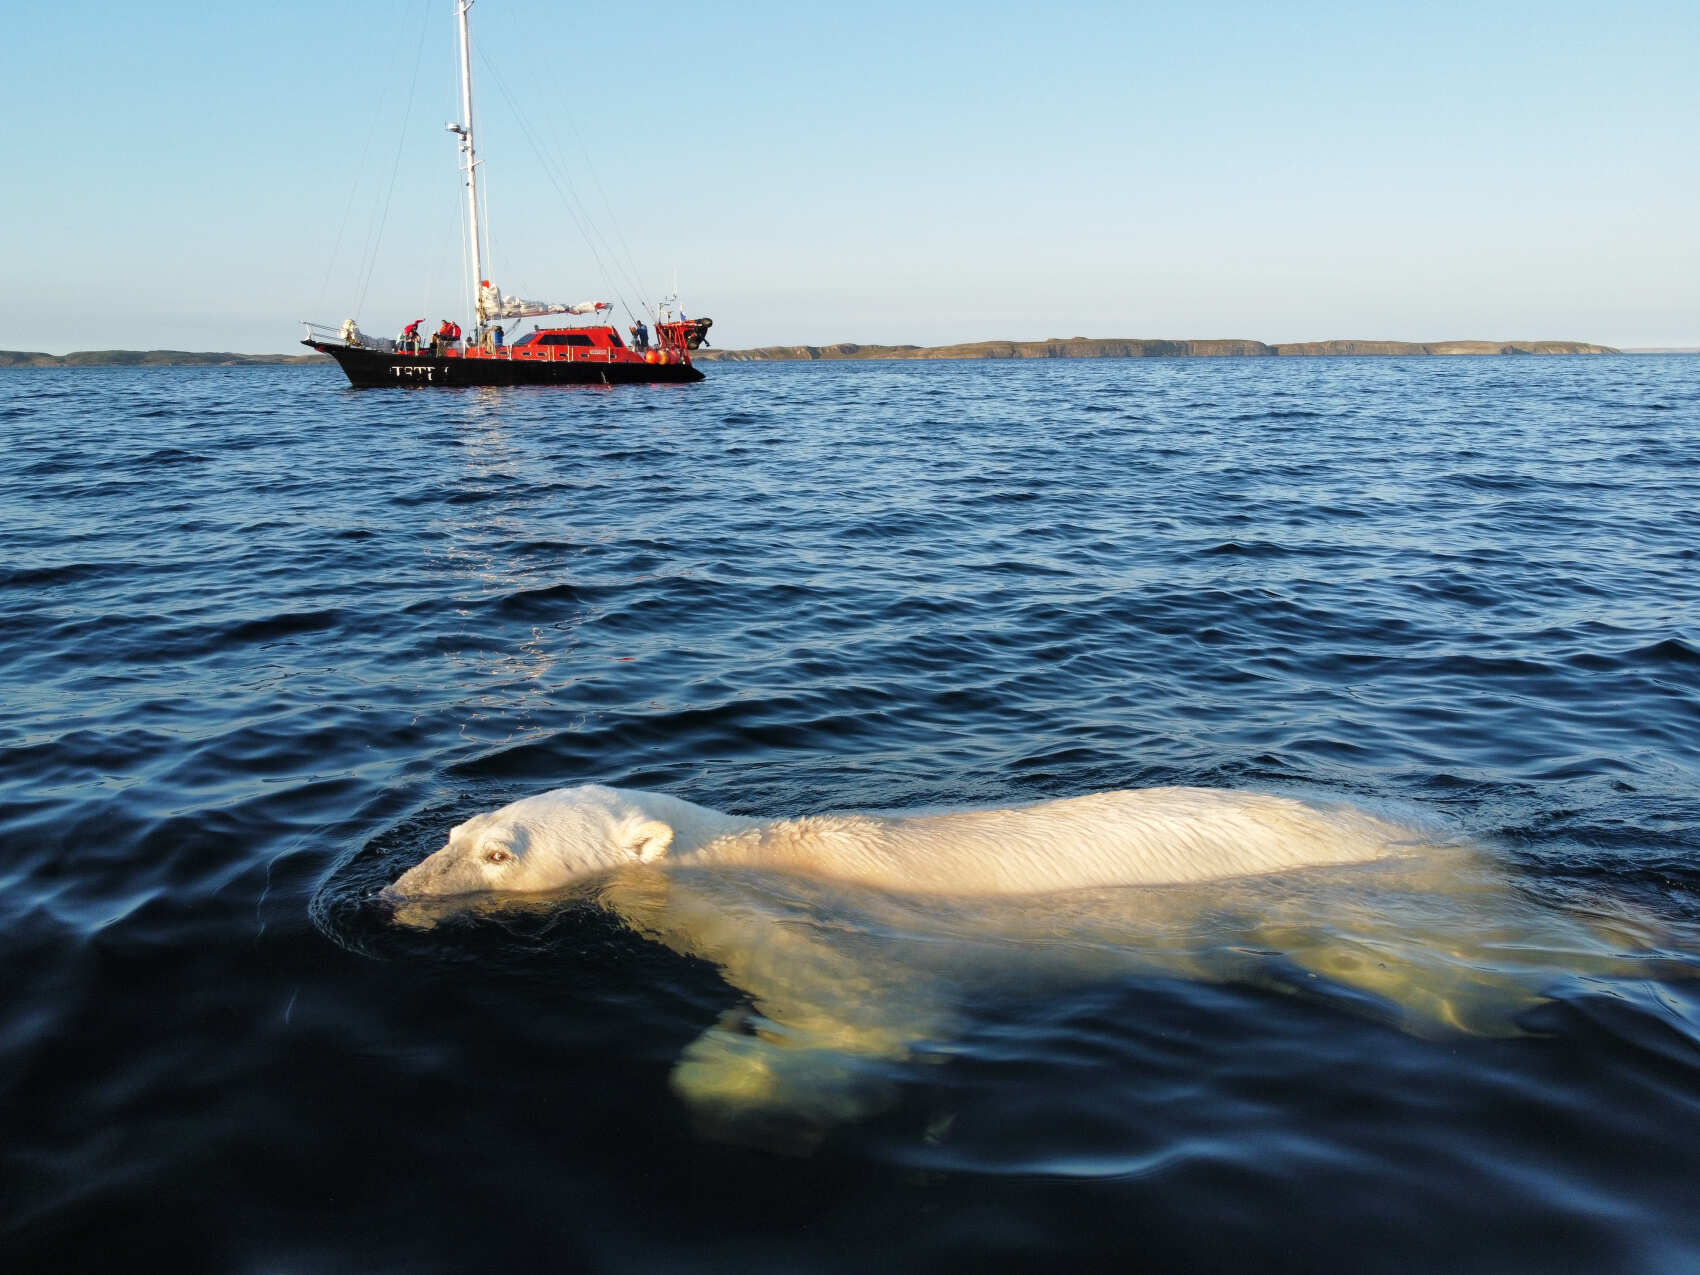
328	335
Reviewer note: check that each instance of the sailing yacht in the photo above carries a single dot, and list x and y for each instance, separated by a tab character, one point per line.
590	354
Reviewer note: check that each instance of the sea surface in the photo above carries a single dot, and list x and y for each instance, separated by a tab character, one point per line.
266	639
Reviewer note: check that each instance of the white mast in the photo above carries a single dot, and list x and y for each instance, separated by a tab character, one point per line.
469	160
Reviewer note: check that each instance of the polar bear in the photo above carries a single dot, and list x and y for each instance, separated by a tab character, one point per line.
857	940
1154	836
828	1004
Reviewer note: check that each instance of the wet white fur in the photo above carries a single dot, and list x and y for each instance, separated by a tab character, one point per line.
1154	836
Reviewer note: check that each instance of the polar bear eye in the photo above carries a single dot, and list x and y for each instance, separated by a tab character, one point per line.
496	855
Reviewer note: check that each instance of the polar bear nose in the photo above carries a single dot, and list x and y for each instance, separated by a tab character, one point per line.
423	877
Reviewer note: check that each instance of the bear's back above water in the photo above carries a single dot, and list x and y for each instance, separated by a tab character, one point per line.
1147	836
1156	836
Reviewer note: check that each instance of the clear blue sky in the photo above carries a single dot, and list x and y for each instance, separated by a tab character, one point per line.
202	176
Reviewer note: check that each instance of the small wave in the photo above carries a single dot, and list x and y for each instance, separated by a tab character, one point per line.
287	624
167	456
1277	414
1671	650
1250	549
548	602
69	573
1491	482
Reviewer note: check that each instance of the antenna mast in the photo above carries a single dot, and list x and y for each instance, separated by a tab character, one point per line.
468	158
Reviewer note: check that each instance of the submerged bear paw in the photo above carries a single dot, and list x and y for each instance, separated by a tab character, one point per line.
750	1090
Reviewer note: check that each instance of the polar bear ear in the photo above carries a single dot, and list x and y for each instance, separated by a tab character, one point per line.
650	840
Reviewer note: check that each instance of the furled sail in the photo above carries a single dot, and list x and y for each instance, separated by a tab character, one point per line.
493	303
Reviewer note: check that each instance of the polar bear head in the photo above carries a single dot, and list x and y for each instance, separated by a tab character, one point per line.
541	843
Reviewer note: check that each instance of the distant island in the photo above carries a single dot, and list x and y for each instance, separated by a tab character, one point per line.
148	358
1081	347
1074	347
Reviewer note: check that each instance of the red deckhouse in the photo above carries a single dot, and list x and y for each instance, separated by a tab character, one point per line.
593	354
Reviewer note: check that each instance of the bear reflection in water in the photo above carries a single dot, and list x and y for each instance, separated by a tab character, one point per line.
855	940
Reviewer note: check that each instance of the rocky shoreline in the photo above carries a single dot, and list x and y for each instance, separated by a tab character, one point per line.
1080	347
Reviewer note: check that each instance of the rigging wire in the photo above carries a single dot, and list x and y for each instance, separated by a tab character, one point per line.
489	240
629	265
378	234
491	269
574	208
613	219
359	172
573	204
441	256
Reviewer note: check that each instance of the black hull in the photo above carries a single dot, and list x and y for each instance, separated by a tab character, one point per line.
372	369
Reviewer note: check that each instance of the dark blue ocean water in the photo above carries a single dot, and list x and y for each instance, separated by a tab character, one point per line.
266	639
